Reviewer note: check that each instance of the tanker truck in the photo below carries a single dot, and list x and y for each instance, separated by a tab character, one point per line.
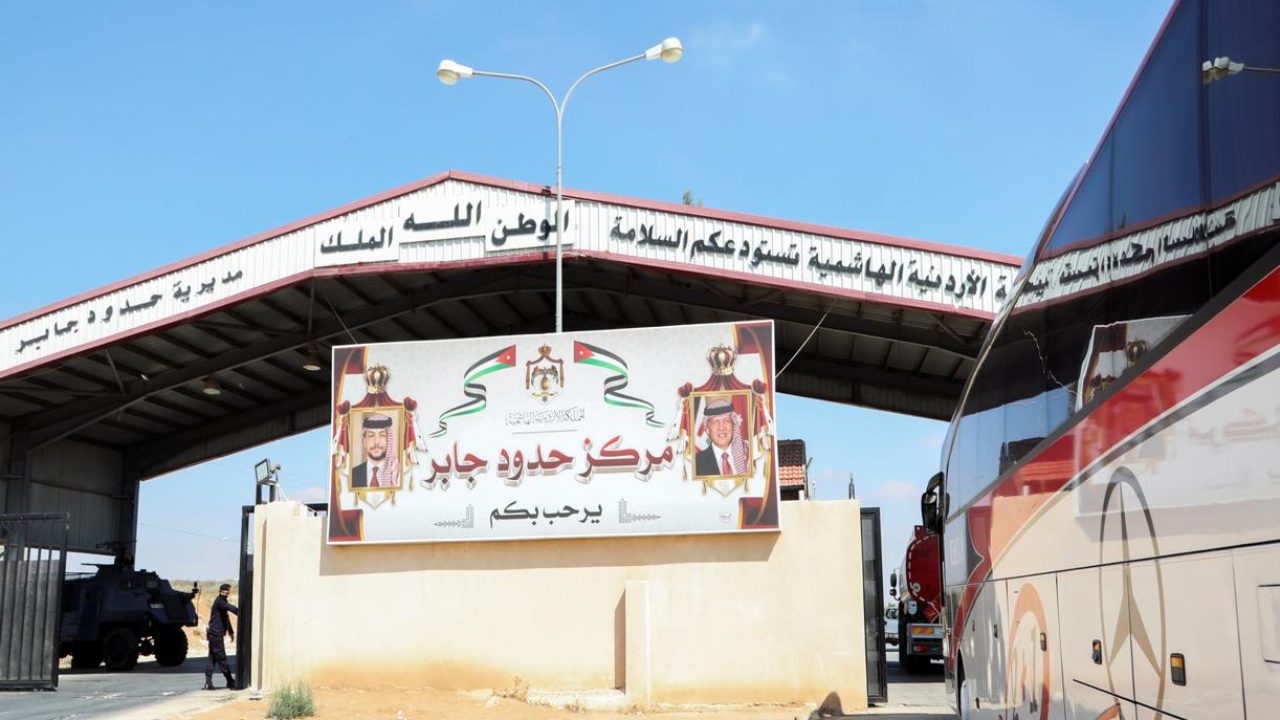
917	587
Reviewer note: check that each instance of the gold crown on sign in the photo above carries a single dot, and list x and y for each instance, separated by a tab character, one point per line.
376	378
721	358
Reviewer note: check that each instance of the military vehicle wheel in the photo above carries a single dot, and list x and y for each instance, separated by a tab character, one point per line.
171	646
86	656
120	649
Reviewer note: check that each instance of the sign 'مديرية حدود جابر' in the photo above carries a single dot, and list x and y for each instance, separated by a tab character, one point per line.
583	434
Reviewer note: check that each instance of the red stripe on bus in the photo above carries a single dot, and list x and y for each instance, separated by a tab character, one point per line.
1242	331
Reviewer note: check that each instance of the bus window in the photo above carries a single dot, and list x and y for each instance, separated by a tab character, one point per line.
1088	216
1156	138
1242	115
1241	118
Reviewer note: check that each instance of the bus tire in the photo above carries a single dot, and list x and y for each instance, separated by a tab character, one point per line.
962	692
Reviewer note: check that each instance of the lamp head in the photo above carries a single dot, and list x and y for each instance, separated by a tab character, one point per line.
451	72
1219	68
670	50
312	363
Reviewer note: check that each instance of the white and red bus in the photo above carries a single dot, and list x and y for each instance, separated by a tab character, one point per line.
1111	480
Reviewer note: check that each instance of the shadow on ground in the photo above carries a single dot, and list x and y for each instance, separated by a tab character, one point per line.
906	714
190	666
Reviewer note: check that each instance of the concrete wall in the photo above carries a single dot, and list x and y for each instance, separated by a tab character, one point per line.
680	619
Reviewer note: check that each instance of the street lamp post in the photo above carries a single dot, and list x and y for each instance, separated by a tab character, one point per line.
450	72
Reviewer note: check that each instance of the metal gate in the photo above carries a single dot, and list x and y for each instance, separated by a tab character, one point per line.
873	607
244	621
33	559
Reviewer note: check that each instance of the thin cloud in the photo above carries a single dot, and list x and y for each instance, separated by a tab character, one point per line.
892	490
723	42
933	441
312	494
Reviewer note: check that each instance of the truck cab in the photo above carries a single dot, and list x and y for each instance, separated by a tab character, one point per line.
917	587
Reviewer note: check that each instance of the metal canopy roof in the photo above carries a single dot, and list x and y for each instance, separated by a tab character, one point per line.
141	392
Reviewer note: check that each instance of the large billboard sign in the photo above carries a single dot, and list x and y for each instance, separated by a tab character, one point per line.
583	434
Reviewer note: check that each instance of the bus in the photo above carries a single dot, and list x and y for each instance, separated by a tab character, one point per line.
1109	494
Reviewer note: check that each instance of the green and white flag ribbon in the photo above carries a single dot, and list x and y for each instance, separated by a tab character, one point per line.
478	394
614	384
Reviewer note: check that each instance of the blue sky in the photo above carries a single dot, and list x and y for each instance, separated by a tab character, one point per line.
136	134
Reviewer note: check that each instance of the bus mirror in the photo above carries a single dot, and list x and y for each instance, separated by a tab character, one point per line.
930	509
893	580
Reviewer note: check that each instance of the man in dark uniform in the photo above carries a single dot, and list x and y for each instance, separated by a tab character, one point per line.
219	625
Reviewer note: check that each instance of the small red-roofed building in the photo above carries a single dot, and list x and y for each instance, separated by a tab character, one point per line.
793	470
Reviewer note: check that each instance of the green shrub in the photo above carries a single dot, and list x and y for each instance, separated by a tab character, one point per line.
292	701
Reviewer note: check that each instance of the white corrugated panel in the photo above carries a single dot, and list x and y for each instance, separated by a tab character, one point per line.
93	516
72	464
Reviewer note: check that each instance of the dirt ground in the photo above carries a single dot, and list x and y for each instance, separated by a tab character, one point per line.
428	704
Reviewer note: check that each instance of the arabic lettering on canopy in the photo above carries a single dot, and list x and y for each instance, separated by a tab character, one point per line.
457	222
335	245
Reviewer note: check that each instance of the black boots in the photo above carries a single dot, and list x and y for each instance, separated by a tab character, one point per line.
208	682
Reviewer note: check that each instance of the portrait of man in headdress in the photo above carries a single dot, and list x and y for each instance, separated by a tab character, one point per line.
726	453
379	468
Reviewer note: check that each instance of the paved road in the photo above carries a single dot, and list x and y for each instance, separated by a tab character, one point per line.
151	692
913	697
148	690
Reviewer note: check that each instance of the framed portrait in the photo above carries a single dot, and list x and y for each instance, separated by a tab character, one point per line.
375	460
723	423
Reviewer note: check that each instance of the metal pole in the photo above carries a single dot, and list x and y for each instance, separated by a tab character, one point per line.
559	218
560	108
559	105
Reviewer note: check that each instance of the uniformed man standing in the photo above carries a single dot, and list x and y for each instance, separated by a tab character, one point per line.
219	625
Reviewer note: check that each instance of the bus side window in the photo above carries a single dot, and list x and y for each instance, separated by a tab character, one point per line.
1024	400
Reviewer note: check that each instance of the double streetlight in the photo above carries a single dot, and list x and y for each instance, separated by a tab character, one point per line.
450	72
1223	66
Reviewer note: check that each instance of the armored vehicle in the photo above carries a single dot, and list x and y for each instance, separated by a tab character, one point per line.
118	613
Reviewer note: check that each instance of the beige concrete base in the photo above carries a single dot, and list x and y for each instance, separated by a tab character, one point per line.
582	701
674	620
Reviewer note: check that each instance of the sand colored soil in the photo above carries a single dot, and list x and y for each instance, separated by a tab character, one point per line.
427	704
